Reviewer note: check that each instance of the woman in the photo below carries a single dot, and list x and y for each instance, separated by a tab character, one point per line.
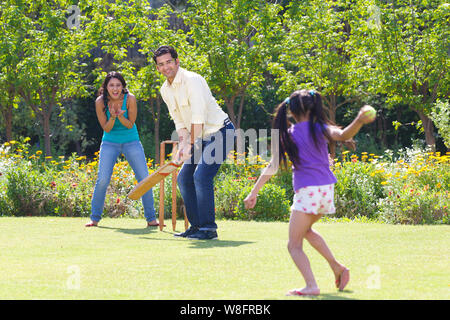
116	110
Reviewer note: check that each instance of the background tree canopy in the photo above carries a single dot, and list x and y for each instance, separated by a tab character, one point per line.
253	53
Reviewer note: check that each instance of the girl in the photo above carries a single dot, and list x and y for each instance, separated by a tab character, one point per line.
116	110
306	145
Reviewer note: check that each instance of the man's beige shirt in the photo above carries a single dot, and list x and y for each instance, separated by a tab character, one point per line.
190	101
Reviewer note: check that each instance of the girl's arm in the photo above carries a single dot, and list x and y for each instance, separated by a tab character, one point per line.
106	124
268	172
352	129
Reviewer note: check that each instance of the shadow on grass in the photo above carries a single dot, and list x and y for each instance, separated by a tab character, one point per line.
323	296
203	244
199	244
329	296
138	231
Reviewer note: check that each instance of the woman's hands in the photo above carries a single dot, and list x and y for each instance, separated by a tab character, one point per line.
115	110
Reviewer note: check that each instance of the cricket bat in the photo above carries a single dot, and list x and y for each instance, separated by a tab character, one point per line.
146	184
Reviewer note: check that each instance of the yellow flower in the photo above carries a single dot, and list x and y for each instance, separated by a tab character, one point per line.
345	152
384	182
39	152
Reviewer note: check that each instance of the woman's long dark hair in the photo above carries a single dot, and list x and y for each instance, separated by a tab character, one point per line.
103	91
298	104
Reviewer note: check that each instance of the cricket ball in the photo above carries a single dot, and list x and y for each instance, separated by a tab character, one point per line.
368	111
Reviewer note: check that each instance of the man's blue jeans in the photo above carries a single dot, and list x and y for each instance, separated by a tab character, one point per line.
196	178
109	152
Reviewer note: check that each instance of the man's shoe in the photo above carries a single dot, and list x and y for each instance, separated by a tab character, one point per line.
188	232
203	235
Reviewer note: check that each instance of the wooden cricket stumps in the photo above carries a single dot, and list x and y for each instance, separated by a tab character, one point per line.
162	156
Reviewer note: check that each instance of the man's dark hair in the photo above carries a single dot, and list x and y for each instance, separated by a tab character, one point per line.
163	50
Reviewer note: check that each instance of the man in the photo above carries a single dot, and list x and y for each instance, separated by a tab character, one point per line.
200	124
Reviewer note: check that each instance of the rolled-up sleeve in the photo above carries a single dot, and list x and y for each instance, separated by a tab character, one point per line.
196	92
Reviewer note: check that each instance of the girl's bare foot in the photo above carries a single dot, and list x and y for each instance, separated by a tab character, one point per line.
307	291
342	276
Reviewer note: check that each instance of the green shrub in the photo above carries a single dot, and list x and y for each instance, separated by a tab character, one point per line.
272	204
415	206
417	189
228	189
25	191
357	190
413	189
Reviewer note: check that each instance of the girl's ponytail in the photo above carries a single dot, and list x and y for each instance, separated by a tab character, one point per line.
286	144
317	115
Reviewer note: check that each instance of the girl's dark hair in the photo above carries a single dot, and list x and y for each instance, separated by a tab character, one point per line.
103	91
299	103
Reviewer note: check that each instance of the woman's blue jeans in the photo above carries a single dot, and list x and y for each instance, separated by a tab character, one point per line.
196	178
109	152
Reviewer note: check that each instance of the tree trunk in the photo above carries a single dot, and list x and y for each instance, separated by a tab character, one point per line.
156	119
241	108
46	127
428	128
330	107
381	129
240	142
8	122
8	114
229	103
78	148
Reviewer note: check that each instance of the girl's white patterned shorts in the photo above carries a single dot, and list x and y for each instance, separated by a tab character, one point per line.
315	199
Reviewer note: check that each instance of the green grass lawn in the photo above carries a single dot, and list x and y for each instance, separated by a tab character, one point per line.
58	258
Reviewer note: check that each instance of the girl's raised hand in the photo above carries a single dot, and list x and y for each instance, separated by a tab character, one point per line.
367	114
